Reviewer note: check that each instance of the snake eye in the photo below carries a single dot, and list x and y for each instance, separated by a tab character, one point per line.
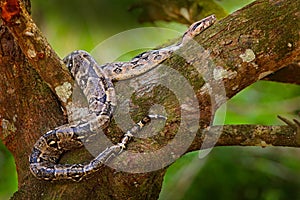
85	55
52	143
70	65
68	62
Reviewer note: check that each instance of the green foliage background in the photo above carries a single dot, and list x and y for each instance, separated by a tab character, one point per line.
227	172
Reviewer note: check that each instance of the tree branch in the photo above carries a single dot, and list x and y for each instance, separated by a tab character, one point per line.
254	135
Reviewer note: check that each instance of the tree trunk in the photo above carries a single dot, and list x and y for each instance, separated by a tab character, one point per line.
249	45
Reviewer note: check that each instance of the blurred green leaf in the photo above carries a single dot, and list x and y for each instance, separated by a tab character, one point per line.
8	174
262	102
232	5
235	173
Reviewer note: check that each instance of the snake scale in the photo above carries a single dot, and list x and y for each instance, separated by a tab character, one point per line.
96	83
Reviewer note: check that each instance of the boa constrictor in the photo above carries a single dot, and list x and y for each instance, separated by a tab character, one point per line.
96	82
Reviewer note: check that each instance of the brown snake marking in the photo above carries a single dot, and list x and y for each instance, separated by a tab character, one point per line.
96	82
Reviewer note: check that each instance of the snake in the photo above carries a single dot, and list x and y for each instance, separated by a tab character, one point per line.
96	83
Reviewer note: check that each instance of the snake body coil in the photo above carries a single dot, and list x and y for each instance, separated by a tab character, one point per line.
96	82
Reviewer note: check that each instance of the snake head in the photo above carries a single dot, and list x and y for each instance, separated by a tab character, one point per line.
75	60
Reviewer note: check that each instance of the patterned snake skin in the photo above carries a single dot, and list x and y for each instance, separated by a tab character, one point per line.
96	82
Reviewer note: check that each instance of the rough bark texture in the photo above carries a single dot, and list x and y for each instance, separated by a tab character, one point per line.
36	49
247	46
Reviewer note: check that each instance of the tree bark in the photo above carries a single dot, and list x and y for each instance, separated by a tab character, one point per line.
252	43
